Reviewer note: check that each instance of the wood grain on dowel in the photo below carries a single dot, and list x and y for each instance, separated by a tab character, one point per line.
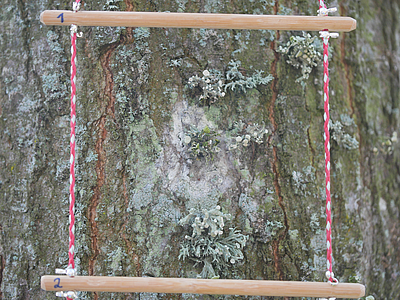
201	286
196	20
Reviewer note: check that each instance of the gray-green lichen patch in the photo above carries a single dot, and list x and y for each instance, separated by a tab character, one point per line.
208	245
202	143
243	134
211	85
207	37
302	53
179	176
301	179
340	136
55	80
214	84
238	82
112	5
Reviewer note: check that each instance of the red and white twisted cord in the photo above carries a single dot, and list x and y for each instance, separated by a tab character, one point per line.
325	38
327	160
321	4
71	263
71	251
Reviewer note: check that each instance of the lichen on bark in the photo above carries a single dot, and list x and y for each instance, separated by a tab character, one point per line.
135	177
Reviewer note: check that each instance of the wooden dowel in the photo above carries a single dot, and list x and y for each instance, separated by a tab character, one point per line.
196	20
202	286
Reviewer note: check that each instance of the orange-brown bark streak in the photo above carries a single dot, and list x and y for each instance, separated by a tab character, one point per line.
109	111
274	87
101	157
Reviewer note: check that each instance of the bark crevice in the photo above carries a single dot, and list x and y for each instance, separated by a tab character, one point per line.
274	87
101	156
109	112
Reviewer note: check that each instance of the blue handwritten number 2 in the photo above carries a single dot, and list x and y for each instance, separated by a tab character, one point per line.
62	17
57	285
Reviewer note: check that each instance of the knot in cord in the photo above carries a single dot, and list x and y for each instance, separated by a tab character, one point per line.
68	271
74	29
76	6
326	34
331	277
68	295
323	11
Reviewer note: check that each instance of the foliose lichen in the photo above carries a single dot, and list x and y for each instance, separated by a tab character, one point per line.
213	84
210	244
243	134
202	143
303	179
272	227
302	53
210	84
112	5
342	138
239	82
210	37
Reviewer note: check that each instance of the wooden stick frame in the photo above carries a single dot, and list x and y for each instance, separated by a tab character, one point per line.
197	20
187	285
202	286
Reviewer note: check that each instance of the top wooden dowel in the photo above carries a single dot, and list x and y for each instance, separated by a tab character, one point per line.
196	20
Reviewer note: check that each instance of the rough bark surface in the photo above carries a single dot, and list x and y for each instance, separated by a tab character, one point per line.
136	177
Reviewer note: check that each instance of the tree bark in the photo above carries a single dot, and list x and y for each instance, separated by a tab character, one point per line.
136	176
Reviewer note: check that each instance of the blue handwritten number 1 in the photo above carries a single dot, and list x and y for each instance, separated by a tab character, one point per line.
62	17
57	285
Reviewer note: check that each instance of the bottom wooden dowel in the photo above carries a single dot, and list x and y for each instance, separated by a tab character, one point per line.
202	286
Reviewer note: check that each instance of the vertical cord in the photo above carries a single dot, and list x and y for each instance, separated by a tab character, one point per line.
71	262
327	161
323	11
71	251
321	4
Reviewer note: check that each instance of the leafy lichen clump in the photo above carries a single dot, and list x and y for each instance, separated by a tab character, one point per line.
213	84
342	138
302	53
209	244
244	134
112	5
210	84
202	143
240	82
